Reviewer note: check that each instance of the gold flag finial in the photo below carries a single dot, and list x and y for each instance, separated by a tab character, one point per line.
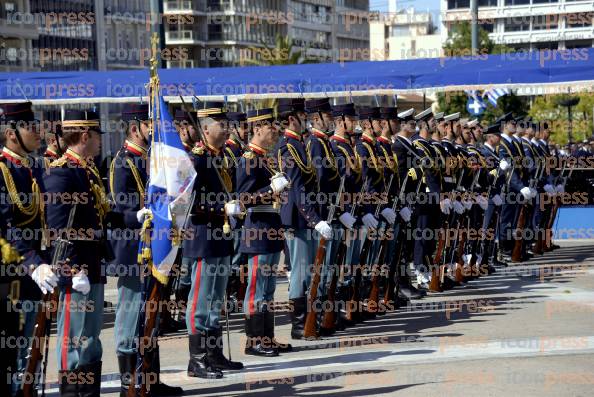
154	49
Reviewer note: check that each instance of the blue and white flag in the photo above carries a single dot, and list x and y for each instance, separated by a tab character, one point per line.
494	94
171	180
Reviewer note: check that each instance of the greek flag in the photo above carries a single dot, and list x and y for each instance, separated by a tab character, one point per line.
494	94
172	177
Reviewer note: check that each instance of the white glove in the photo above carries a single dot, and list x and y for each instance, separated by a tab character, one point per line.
482	202
467	204
497	200
233	208
389	215
45	278
560	189
549	188
405	214
445	205
141	214
504	165
324	229
369	221
458	207
526	192
80	283
534	192
347	220
278	183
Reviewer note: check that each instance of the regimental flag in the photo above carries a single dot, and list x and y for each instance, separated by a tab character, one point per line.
494	94
171	181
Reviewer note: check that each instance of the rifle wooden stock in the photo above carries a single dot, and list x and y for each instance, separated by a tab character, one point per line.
353	303
152	305
549	230
373	298
309	329
49	305
329	316
517	251
390	285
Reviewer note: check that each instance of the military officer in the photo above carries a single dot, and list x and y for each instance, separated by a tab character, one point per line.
187	133
299	212
210	249
23	224
73	180
127	181
262	240
54	145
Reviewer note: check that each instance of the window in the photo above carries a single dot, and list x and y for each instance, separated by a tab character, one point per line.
453	4
489	27
516	2
578	44
487	3
578	20
544	1
545	22
517	24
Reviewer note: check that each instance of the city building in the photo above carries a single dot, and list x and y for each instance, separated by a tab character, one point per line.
213	33
527	24
403	34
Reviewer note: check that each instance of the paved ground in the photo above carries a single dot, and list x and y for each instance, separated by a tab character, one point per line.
527	330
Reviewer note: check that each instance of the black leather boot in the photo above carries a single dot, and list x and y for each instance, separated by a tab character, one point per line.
68	383
89	380
127	365
258	344
269	332
159	389
214	350
298	314
408	291
199	365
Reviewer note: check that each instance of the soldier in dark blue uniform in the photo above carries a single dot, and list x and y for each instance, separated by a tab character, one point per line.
262	240
74	180
510	162
210	249
187	134
428	212
127	181
299	212
52	131
23	225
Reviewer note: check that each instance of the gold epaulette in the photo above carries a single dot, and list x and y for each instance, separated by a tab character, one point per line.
8	253
198	150
59	162
248	155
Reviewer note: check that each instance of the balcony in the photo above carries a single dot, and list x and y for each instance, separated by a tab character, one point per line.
184	37
185	7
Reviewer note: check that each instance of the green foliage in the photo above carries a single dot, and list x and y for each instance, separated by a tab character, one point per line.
459	44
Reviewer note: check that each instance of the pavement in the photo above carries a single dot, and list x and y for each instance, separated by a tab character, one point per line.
527	330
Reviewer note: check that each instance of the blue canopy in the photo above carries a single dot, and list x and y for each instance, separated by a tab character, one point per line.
533	72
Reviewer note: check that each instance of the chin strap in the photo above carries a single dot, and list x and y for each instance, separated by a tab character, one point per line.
19	139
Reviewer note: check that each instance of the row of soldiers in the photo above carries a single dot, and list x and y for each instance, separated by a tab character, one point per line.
371	206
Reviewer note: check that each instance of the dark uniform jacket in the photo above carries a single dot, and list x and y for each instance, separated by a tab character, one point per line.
262	228
72	181
127	181
208	214
508	151
327	177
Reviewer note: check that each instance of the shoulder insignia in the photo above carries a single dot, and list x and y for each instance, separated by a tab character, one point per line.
198	150
412	173
493	172
249	155
59	162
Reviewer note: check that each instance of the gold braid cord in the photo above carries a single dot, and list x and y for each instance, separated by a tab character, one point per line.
376	165
9	253
306	169
31	210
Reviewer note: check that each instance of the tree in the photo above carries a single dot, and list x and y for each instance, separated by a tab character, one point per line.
459	44
547	108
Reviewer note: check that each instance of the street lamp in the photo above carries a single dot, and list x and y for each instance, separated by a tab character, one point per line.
569	103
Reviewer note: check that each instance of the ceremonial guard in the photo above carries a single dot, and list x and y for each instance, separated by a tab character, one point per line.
22	238
428	212
74	184
187	133
262	239
54	145
211	246
299	212
409	174
127	181
516	191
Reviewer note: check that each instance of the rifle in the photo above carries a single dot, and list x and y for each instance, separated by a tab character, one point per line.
549	225
519	243
147	322
373	297
309	329
43	321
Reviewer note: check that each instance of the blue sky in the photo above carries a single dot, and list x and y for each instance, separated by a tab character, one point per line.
420	5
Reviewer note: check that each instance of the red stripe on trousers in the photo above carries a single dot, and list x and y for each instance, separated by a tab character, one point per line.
253	285
195	297
66	329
